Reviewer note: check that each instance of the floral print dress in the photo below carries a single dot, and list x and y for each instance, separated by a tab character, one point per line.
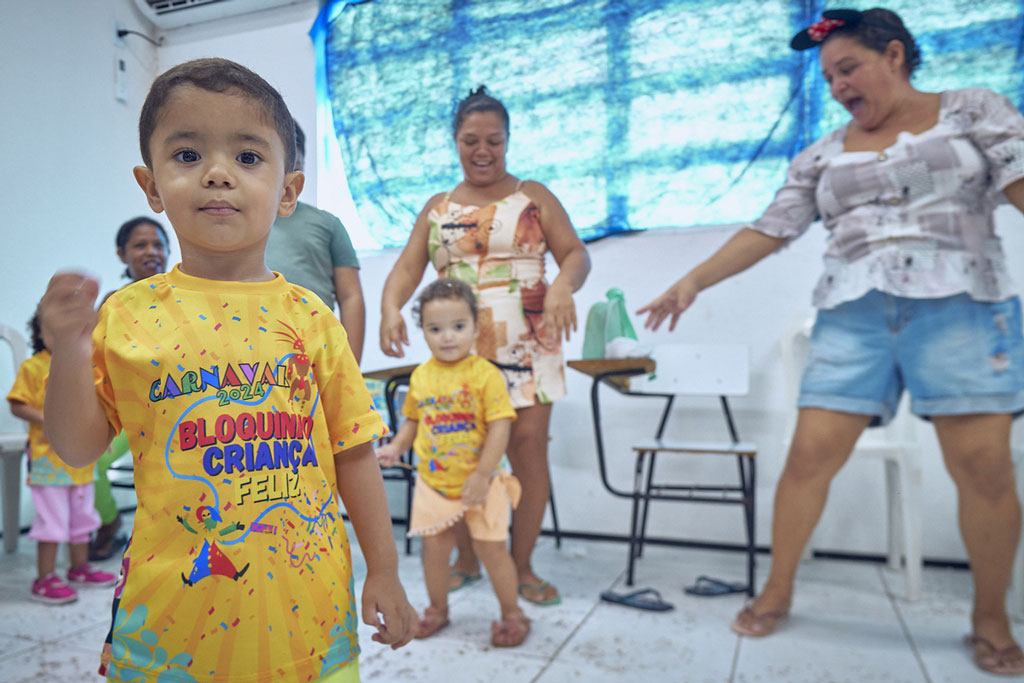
499	251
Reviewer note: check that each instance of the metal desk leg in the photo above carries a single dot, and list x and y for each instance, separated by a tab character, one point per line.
753	529
646	507
390	388
634	519
554	513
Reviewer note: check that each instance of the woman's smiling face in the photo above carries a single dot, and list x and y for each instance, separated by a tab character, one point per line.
481	142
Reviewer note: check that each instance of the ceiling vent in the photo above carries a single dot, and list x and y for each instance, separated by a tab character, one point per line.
169	14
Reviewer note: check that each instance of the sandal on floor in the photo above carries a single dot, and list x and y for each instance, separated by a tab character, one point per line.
758	624
1008	661
461	580
706	586
510	632
433	620
539	590
645	598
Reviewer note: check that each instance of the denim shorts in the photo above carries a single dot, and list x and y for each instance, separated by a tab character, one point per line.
954	355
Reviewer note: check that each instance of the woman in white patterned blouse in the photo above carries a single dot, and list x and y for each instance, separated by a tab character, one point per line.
915	295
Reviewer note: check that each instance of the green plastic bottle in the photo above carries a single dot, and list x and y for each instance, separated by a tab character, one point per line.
617	317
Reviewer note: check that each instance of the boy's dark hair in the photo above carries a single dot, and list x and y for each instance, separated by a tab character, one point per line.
220	76
300	140
478	101
444	288
124	233
36	334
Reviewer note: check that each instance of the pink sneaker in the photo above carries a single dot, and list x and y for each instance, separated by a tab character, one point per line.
87	575
52	590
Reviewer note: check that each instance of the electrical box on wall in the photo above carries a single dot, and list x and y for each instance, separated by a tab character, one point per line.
120	75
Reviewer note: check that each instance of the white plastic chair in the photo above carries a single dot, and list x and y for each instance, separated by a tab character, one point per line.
13	436
896	445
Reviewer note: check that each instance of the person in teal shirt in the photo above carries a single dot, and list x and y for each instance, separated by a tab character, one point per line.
311	248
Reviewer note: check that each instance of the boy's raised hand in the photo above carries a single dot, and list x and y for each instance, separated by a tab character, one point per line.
67	314
386	608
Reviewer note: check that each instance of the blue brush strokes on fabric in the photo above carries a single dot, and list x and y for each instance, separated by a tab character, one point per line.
638	115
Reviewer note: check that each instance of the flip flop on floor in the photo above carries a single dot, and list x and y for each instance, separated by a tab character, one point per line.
539	590
463	579
1008	661
645	598
707	586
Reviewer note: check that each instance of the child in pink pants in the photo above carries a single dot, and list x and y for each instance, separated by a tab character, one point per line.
63	495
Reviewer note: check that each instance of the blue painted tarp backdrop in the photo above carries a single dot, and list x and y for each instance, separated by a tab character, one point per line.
638	114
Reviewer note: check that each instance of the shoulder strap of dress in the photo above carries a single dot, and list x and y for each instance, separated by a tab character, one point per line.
519	185
448	195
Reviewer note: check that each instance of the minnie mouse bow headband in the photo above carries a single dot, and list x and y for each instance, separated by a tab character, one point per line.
816	33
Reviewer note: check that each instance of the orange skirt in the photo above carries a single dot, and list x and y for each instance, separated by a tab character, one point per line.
432	513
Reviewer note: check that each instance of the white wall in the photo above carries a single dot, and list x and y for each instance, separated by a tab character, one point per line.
67	168
68	146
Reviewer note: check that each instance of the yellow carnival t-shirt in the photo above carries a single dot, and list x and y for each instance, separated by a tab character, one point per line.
234	397
453	402
45	468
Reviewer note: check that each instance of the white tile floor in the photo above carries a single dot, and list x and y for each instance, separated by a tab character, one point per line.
849	623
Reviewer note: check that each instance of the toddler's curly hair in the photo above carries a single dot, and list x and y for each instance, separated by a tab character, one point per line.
444	288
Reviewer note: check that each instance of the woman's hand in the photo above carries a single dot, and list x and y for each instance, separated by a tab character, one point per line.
559	311
674	301
393	334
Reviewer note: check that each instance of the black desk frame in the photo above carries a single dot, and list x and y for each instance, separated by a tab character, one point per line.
645	491
406	473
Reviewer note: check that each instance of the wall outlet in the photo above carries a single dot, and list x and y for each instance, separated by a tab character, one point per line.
118	27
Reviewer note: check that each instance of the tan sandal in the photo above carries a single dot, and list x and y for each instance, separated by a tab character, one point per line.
510	632
434	619
1008	661
758	624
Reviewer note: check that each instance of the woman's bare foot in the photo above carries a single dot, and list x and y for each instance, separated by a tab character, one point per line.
538	591
464	571
434	619
457	579
994	647
510	631
762	615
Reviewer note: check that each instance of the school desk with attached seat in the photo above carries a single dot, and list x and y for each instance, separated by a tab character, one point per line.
682	370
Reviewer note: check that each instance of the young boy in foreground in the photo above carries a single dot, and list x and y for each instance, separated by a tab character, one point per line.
245	412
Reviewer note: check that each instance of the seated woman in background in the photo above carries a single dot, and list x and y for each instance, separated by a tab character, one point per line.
142	246
915	295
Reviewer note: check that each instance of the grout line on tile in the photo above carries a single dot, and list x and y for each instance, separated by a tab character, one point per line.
558	650
889	593
735	659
